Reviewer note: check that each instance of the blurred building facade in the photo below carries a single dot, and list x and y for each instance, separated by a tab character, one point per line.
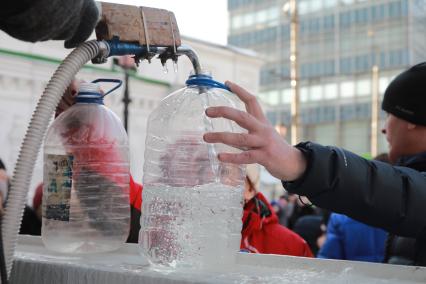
25	69
339	42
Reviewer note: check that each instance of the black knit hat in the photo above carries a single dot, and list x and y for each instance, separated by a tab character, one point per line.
405	97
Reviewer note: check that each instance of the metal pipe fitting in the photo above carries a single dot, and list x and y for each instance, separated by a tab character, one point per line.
192	55
117	48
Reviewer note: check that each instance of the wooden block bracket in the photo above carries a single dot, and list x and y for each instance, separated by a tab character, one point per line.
143	25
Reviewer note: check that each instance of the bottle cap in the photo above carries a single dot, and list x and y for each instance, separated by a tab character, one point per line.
89	93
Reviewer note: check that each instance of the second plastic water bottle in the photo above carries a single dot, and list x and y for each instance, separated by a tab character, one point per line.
86	178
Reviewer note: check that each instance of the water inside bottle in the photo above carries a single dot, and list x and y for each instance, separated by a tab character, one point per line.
91	214
189	226
192	203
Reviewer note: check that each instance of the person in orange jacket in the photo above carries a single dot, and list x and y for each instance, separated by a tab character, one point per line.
261	231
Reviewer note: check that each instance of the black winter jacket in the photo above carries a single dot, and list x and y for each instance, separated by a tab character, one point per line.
402	250
372	192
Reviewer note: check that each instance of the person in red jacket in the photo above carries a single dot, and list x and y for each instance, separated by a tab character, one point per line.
261	231
135	194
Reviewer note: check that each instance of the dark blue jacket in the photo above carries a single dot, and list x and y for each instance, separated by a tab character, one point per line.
352	240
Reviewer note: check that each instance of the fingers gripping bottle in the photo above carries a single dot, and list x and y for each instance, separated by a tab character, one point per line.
192	203
86	177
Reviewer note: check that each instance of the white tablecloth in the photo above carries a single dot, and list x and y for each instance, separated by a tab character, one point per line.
35	264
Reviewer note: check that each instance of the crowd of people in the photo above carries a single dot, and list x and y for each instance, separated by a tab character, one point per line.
361	209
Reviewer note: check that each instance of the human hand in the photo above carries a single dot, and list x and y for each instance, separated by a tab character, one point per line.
262	144
3	175
68	98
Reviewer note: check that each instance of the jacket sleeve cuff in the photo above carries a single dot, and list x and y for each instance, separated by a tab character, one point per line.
291	186
320	163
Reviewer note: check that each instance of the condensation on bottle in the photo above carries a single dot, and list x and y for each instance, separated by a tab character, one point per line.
85	205
192	203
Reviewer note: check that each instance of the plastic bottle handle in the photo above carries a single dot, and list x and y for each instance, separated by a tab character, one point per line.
118	81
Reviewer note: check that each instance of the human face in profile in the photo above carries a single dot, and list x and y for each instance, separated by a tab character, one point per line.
398	136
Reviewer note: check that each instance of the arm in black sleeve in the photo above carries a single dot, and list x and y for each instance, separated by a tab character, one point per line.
378	194
40	20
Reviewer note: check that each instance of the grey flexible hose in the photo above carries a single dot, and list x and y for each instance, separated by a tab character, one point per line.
30	147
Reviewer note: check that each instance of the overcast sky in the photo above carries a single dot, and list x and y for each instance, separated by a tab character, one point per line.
202	19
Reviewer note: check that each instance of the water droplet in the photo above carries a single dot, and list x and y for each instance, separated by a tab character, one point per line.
165	69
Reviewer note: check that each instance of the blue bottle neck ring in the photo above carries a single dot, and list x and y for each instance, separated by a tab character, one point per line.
205	81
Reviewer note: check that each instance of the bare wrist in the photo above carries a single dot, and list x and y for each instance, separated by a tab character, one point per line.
299	164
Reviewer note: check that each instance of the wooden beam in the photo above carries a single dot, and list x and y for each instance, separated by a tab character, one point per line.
143	25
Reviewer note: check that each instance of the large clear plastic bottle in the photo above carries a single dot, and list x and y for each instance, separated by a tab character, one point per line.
192	203
86	178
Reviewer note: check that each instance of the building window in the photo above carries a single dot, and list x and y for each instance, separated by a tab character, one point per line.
378	12
265	76
315	93
405	57
363	88
383	84
330	91
274	97
404	7
236	22
383	60
346	65
329	67
303	7
286	96
285	32
248	19
396	57
314	25
345	19
232	4
316	6
304	95
273	14
262	16
361	16
303	71
272	117
329	22
362	63
394	9
329	113
330	3
347	89
303	27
